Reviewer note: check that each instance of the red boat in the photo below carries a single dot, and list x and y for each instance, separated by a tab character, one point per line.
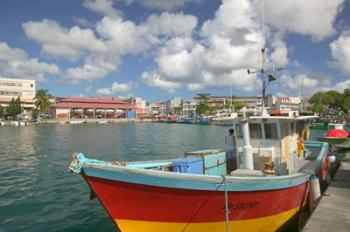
195	193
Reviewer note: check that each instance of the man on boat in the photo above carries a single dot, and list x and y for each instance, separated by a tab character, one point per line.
230	141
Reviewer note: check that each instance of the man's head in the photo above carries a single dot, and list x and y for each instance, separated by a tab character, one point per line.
231	131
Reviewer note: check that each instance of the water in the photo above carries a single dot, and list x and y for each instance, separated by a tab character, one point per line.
38	194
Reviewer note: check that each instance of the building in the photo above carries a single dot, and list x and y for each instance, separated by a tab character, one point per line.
189	107
13	88
217	103
153	108
255	102
140	106
286	104
162	106
82	107
173	103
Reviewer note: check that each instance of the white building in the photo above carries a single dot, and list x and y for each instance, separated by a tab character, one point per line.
288	103
162	107
189	107
13	88
173	103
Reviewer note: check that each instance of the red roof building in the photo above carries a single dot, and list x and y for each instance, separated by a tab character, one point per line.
82	107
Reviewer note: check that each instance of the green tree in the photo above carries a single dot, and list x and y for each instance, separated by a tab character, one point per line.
14	107
35	113
335	99
2	111
346	101
42	102
177	110
318	102
203	97
236	104
203	109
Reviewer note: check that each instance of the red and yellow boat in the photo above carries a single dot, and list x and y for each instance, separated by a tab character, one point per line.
195	193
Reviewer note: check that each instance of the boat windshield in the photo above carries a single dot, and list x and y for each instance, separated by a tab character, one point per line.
255	130
270	130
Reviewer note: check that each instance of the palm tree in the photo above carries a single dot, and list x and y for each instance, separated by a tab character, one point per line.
42	102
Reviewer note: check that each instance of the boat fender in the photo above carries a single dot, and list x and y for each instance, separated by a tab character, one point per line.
331	159
315	190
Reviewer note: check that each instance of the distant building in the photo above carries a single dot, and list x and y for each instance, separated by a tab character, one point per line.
189	107
217	103
288	103
13	88
255	102
172	104
153	108
140	106
162	107
83	107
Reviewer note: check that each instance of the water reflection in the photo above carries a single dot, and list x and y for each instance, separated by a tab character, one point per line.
37	193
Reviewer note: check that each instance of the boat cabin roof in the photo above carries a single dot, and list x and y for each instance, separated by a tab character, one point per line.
291	118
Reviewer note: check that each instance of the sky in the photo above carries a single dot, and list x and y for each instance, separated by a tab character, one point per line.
159	49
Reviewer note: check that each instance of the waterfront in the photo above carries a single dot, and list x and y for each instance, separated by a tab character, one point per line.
38	194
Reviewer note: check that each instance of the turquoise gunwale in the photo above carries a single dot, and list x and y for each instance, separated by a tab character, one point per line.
139	173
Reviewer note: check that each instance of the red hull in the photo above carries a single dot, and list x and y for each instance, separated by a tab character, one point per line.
128	201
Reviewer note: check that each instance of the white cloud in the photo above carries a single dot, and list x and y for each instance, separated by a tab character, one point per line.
116	88
95	68
104	7
162	4
180	60
124	36
7	53
306	83
235	79
340	86
170	24
279	56
15	62
340	50
305	17
155	80
230	44
60	42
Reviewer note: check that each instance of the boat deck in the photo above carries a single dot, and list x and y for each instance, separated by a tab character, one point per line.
333	210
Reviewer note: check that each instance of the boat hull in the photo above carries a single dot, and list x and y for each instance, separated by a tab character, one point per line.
136	207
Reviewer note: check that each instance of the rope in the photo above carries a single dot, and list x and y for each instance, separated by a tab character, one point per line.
223	182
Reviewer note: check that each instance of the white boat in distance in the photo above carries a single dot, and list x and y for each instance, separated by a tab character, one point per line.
104	121
224	119
77	121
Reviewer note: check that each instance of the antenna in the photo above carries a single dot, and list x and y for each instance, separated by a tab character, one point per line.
263	20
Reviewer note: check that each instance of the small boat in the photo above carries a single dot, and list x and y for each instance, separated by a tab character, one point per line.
104	121
327	126
196	193
337	137
171	119
224	120
74	122
185	121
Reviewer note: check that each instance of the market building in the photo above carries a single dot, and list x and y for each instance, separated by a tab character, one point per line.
92	108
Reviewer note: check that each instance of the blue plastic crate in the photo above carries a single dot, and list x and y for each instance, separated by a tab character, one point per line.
192	165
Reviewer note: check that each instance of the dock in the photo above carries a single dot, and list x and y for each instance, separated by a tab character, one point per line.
333	211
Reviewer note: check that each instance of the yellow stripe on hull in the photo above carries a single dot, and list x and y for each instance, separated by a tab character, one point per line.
270	223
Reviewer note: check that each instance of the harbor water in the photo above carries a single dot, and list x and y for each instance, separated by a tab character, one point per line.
38	194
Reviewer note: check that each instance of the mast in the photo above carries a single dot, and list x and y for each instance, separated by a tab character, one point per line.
248	162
